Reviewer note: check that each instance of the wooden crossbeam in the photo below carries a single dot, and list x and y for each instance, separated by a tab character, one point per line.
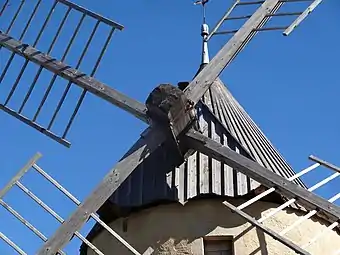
302	17
21	173
260	174
324	163
82	80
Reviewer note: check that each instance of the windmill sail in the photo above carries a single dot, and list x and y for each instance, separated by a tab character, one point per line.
254	16
149	142
291	13
193	92
315	205
17	182
71	34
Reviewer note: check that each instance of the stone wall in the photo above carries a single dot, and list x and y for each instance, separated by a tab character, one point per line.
176	229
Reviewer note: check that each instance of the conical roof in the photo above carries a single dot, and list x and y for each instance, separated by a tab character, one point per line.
157	180
240	125
223	119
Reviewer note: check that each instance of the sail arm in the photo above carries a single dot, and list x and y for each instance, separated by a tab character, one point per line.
142	149
202	82
260	174
75	76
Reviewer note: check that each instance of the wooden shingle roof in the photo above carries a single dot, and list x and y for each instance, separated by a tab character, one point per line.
222	118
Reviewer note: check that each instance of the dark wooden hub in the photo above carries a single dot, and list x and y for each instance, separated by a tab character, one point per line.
168	108
165	103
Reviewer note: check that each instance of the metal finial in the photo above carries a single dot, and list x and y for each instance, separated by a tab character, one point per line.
204	34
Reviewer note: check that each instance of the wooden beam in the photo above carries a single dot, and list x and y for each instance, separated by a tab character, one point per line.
19	175
82	80
324	163
223	58
112	181
260	174
302	17
266	230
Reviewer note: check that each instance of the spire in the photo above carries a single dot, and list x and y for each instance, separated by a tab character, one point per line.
205	50
204	33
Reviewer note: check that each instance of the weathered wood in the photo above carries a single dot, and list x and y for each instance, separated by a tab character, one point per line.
19	175
165	103
223	127
302	17
324	163
264	176
266	230
223	58
168	109
112	181
168	106
82	80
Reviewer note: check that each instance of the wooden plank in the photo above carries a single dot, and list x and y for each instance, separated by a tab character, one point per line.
201	83
142	149
203	163
192	176
228	174
215	164
19	175
302	17
264	176
324	163
181	178
82	80
266	230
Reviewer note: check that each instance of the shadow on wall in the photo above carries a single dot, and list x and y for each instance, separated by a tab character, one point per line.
177	229
262	247
174	229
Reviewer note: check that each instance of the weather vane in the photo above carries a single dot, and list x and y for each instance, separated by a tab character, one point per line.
203	2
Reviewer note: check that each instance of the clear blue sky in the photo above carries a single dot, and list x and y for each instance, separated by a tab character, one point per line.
288	85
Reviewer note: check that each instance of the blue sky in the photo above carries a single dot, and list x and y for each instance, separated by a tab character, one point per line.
288	85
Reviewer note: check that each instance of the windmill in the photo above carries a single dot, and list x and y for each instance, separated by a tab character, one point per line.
174	115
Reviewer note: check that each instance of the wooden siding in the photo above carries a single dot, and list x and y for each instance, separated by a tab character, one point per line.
223	119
